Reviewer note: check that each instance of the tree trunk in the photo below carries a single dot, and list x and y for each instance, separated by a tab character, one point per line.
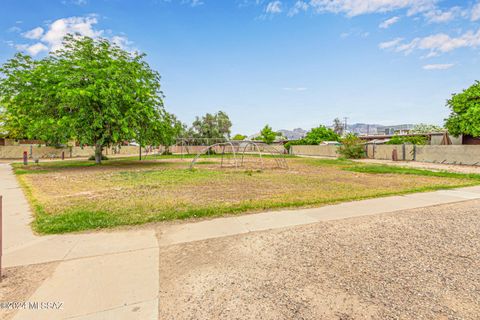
140	153
98	153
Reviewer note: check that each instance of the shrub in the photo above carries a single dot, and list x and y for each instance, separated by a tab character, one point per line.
320	134
294	143
314	137
352	147
239	137
419	140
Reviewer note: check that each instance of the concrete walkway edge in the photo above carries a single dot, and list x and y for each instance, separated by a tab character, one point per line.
228	226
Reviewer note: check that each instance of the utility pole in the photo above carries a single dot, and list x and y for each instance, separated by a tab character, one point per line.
345	125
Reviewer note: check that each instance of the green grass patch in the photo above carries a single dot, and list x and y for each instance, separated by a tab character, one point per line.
84	219
386	169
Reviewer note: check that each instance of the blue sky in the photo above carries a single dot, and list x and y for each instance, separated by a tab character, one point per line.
286	63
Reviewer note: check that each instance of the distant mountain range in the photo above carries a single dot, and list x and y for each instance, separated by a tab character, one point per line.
358	128
296	134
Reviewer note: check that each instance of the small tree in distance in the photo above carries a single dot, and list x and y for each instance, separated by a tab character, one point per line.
267	135
315	136
211	126
338	126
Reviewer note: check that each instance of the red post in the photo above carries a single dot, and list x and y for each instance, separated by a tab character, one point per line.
25	157
1	238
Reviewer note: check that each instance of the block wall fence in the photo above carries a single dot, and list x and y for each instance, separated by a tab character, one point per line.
449	154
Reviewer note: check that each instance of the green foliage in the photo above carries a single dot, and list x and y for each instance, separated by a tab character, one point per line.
319	135
291	143
91	91
172	130
465	112
352	147
418	140
426	128
239	137
315	136
211	126
386	169
267	135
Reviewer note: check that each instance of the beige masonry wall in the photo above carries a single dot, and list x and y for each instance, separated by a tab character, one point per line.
43	152
385	152
463	154
323	151
452	154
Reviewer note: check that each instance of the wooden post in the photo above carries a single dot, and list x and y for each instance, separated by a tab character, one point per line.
394	155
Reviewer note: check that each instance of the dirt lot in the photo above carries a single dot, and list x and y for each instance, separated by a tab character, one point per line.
416	264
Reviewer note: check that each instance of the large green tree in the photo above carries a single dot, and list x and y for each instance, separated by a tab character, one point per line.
465	112
211	126
91	90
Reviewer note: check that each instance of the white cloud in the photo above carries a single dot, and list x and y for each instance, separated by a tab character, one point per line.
475	14
387	23
194	3
124	43
50	39
298	7
73	25
358	7
274	7
438	66
436	43
440	16
33	49
35	33
390	44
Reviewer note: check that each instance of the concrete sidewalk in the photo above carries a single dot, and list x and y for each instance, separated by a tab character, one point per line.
103	275
16	211
228	226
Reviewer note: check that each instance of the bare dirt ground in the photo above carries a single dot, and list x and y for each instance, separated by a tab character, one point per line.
415	264
19	283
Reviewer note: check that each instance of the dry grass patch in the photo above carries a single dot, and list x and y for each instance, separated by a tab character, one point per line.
78	196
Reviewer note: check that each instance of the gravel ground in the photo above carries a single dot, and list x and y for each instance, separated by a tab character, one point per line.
19	283
415	264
